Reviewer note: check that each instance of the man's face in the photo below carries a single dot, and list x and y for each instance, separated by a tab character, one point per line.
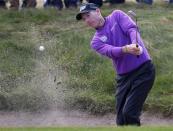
92	18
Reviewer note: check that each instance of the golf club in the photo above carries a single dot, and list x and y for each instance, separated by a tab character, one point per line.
133	14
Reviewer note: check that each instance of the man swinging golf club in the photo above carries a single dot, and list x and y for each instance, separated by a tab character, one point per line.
115	38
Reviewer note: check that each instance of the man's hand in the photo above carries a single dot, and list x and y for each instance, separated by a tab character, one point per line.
132	49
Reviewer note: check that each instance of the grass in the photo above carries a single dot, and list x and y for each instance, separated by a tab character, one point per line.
68	72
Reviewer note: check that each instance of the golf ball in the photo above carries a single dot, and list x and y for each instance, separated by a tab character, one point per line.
41	48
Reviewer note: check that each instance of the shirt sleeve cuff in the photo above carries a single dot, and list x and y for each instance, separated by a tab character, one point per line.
117	51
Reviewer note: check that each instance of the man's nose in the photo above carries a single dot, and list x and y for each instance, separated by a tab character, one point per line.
86	20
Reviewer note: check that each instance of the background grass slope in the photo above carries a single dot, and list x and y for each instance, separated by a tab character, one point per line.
68	73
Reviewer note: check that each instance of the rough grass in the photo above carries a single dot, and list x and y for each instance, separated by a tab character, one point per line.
68	73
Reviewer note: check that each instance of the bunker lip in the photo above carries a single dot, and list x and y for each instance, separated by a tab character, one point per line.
62	117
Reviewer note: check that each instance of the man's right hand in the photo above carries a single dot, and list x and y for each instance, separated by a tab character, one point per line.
132	49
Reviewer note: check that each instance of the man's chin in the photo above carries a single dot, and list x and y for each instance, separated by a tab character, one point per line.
94	26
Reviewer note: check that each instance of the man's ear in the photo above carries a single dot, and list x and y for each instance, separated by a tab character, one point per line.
98	10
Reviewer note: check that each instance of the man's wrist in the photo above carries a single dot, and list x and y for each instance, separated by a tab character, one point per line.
124	49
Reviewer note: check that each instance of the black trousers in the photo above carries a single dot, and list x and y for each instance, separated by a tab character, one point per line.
131	93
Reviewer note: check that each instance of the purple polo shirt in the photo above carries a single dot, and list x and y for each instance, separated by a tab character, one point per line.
119	30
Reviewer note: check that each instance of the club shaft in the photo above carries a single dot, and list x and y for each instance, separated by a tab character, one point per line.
137	35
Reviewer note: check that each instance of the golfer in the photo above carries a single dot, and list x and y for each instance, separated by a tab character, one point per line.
115	38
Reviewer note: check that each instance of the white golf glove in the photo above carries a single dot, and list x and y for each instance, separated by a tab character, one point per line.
133	49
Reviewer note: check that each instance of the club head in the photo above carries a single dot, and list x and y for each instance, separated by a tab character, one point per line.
132	13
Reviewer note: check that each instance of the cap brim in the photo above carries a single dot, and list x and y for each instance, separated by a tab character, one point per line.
79	15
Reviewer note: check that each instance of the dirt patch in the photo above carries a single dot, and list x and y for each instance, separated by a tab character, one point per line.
56	118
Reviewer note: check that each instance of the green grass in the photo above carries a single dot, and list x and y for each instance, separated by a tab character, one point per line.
91	129
83	79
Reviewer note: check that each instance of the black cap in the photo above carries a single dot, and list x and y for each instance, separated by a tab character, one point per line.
85	8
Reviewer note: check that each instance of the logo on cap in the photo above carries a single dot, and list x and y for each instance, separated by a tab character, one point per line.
82	8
